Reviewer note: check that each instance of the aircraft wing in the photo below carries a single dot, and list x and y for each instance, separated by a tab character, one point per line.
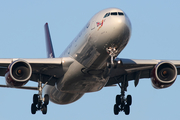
48	68
135	69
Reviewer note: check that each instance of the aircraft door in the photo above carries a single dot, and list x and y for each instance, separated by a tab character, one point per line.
93	25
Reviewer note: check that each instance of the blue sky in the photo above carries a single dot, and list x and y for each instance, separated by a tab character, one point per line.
155	35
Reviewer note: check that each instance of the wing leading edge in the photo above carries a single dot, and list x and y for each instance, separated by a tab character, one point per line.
45	67
135	69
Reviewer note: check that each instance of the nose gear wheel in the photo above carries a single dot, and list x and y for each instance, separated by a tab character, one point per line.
112	51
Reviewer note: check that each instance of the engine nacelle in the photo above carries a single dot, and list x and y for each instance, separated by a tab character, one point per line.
18	73
163	75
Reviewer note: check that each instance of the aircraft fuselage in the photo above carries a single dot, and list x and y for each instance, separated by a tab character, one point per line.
109	28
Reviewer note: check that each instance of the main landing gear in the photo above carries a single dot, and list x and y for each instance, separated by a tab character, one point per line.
122	103
39	102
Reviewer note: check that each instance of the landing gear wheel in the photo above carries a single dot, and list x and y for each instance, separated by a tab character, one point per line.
44	109
123	103
46	99
116	109
115	64
108	65
126	109
129	100
33	108
40	102
35	99
118	99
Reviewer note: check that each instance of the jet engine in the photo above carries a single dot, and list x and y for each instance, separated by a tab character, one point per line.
18	73
163	75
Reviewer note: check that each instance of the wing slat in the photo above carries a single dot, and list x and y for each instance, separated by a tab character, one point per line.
131	67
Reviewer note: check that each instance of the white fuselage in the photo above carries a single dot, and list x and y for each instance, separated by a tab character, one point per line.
109	28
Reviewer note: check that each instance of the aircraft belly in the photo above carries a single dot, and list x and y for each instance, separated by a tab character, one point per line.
79	79
84	85
59	97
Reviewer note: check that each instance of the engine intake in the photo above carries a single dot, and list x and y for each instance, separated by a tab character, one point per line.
163	75
18	73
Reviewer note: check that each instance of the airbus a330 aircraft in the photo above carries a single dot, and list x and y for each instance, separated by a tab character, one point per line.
88	64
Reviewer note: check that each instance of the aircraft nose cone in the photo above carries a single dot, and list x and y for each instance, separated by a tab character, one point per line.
123	22
120	32
121	26
128	23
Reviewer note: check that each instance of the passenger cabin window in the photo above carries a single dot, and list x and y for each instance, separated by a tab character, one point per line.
113	13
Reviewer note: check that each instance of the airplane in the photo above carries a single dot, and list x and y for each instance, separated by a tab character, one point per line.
88	64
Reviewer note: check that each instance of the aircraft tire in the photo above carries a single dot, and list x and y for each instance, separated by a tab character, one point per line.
126	109
129	100
35	99
33	108
46	99
116	109
44	109
108	65
118	99
115	64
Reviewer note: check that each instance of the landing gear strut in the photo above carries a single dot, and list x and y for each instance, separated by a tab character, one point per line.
122	103
39	102
112	53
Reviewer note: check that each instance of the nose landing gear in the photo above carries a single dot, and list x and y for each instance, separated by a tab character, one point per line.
112	51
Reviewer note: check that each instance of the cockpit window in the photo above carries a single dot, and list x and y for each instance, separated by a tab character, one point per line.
120	13
106	15
113	13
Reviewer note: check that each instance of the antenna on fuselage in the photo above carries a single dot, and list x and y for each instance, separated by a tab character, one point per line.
49	47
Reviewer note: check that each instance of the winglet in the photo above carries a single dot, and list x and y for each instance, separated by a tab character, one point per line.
49	47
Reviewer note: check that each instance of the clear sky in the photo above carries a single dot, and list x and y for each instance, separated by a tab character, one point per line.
155	35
